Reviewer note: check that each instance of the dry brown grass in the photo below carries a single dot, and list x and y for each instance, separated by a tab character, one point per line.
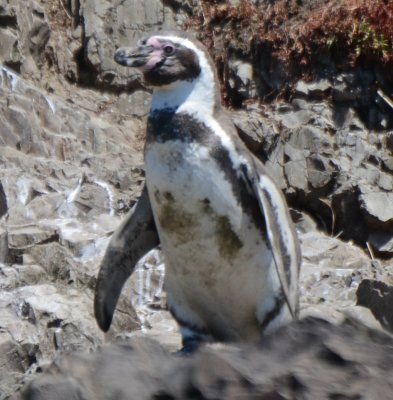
58	15
358	30
299	34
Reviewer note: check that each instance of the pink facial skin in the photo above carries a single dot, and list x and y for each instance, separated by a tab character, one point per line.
156	55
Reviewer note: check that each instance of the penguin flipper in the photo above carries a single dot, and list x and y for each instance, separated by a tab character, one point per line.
281	234
130	242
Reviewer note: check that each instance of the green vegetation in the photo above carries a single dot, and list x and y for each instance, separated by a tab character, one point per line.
368	42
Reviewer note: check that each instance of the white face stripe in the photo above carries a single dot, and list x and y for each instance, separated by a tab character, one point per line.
200	91
195	98
203	62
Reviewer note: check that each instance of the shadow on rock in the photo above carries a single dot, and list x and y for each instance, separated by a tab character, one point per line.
378	297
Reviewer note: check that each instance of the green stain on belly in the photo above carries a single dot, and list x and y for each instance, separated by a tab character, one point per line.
228	242
184	225
174	219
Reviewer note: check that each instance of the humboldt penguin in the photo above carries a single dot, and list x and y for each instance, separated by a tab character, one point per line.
230	248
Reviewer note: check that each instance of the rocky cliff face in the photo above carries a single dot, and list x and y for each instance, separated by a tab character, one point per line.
71	165
71	139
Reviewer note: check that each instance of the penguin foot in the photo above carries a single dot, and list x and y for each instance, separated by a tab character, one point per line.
189	347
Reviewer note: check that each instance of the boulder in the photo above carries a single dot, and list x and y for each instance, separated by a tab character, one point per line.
378	297
308	359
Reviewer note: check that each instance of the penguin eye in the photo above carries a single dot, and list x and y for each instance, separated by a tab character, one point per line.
168	50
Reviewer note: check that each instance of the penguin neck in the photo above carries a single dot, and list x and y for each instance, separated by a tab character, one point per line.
197	96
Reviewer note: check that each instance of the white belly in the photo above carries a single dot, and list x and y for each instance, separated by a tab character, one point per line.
219	272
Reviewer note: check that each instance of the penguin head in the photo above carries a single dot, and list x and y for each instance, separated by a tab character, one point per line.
163	58
180	70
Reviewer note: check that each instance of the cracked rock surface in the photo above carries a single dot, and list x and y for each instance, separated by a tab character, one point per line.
310	359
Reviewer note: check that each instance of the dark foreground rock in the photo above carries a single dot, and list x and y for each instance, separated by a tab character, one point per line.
310	359
378	297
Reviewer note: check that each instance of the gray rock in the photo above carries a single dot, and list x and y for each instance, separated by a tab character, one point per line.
294	173
79	37
313	90
64	389
253	129
329	277
32	317
52	234
308	359
127	22
136	104
327	161
378	205
22	237
295	119
16	275
3	245
320	171
56	261
9	48
382	241
378	297
241	79
13	361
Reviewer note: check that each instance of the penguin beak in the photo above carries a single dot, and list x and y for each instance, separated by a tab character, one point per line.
137	57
